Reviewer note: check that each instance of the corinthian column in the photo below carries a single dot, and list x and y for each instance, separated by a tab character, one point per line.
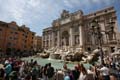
52	39
80	36
58	38
45	41
49	40
71	37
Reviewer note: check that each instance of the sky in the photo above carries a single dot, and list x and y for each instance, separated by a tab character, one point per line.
39	14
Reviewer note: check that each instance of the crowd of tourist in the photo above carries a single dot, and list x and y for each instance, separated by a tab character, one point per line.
16	69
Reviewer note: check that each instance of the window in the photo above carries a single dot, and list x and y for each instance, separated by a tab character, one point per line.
24	46
27	33
25	36
11	32
25	41
31	47
0	29
88	49
105	10
9	44
14	28
10	38
16	33
112	49
95	14
32	33
15	38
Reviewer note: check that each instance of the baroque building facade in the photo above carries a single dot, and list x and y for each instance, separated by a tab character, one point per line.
73	30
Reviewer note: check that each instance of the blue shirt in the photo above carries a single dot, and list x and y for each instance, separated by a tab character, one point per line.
8	69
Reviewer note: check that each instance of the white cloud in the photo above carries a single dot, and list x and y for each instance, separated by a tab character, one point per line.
33	3
39	13
86	3
71	3
68	3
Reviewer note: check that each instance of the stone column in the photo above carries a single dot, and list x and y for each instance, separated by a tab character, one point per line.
52	39
71	37
102	26
58	38
49	40
116	30
45	41
80	36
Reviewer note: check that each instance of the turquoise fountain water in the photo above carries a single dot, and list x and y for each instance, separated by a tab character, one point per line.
58	64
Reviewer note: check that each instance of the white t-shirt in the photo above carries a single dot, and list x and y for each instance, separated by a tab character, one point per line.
90	72
105	71
81	77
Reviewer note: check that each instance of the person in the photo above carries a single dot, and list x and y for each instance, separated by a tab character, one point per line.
94	66
35	71
79	66
21	69
113	77
50	72
1	73
31	63
91	74
41	72
13	75
105	72
8	69
83	73
75	73
44	71
59	75
65	69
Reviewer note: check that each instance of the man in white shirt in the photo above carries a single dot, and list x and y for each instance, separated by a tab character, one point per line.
105	72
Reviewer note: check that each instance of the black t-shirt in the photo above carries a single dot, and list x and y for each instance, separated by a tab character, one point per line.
50	72
76	74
